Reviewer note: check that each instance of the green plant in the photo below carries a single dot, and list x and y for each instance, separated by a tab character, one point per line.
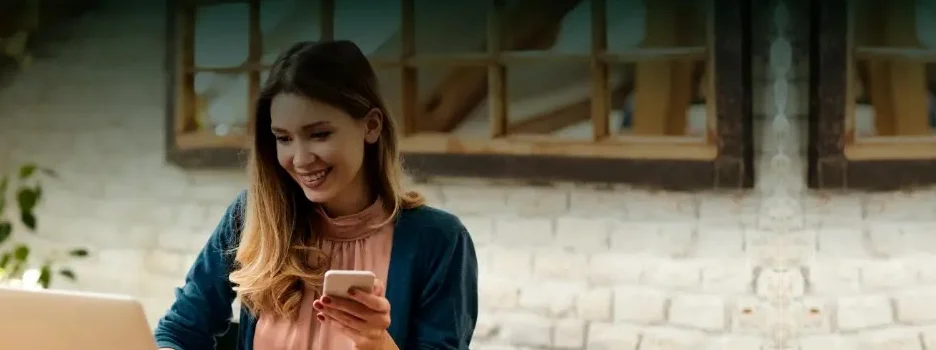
16	257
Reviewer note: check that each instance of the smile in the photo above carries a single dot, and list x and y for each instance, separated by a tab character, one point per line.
313	180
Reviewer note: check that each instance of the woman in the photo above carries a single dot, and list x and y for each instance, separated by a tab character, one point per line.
324	194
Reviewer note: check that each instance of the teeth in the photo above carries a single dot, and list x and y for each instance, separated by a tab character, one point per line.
315	176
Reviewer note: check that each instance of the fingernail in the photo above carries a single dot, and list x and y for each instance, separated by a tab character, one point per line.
352	292
320	317
326	300
317	305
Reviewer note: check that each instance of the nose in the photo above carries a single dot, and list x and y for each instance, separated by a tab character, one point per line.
303	158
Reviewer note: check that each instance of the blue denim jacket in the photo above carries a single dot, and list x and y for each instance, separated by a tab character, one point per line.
431	286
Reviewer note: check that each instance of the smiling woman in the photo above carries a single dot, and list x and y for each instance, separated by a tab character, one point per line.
322	147
325	194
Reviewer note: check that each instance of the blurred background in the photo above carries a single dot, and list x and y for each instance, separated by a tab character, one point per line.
86	96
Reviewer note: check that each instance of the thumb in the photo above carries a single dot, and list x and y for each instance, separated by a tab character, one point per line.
379	288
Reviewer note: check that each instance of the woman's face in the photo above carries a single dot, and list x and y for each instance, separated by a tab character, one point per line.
322	148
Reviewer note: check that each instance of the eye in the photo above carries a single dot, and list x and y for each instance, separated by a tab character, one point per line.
280	138
320	134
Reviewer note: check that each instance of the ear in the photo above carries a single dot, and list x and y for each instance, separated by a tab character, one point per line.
373	125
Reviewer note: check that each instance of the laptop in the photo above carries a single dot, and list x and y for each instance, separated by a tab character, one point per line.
60	320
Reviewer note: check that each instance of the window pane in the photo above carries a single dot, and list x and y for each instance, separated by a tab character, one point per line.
556	27
221	35
660	98
374	27
390	81
550	98
221	102
451	100
438	22
634	24
285	22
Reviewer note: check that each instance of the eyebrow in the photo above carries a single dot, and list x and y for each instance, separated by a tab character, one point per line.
304	127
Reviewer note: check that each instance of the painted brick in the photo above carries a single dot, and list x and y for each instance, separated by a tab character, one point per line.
861	312
551	298
890	339
583	234
569	334
609	336
595	305
915	306
527	330
640	305
671	339
524	232
703	312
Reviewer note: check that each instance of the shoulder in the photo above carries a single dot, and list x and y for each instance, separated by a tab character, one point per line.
427	224
232	222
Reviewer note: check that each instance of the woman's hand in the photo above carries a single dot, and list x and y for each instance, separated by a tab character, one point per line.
364	317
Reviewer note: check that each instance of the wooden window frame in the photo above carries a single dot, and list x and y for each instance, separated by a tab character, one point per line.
666	162
836	159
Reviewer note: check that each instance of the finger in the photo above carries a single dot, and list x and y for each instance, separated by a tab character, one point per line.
380	320
345	320
374	302
350	306
379	288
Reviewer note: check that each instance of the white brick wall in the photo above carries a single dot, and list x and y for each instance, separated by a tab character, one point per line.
563	267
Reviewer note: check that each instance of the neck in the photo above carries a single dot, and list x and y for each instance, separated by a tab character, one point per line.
354	199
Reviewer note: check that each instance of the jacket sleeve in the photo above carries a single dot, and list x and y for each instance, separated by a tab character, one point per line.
202	309
448	305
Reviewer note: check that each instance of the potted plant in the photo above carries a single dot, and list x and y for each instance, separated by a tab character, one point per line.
18	263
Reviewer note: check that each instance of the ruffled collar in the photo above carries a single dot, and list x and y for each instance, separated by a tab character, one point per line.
354	226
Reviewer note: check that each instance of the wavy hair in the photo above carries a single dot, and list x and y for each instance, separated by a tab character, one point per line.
276	257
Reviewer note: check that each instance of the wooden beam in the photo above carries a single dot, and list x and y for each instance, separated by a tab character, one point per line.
532	25
896	87
185	97
567	116
665	89
409	80
497	74
600	104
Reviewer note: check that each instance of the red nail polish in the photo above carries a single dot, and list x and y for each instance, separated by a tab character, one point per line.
320	317
352	292
326	300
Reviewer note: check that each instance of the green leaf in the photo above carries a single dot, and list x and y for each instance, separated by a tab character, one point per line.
45	276
78	252
6	229
5	260
28	219
27	170
69	274
21	253
27	198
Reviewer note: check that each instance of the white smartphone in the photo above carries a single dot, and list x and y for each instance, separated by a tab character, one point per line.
339	282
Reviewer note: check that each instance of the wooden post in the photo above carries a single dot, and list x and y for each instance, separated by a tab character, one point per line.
497	72
185	119
600	95
409	94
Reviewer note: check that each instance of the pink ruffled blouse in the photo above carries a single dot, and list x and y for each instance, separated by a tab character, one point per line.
352	242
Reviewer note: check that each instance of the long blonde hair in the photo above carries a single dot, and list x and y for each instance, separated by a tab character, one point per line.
276	257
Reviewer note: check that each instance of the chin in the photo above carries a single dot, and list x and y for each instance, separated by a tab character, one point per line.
318	195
